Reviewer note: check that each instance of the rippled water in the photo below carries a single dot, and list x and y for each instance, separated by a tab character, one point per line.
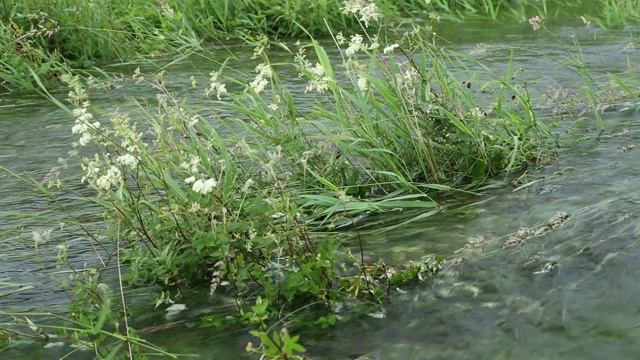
495	303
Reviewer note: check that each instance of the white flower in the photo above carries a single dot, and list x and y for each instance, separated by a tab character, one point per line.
128	160
204	186
389	49
190	179
83	124
317	70
260	82
365	9
112	178
192	121
79	128
318	80
167	10
81	114
535	22
85	139
195	207
247	186
375	44
477	113
215	87
192	165
355	45
362	83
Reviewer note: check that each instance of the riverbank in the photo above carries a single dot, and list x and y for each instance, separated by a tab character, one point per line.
39	41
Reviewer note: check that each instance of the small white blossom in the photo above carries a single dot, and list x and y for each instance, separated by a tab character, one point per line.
318	80
375	44
85	139
535	22
389	49
167	10
112	178
190	179
247	186
195	207
365	10
83	124
82	114
128	160
261	80
477	113
204	186
192	165
215	87
362	83
355	45
192	121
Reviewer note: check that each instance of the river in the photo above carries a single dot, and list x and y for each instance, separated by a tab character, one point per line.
569	293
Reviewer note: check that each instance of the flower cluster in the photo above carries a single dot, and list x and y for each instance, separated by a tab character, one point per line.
535	22
167	10
262	79
356	44
199	185
214	86
318	79
365	10
84	124
93	174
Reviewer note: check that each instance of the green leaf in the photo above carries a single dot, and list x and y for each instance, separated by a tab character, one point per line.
173	185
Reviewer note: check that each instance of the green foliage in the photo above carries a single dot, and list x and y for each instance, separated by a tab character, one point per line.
235	205
21	56
192	208
47	37
95	320
385	131
274	18
614	12
4	339
232	204
273	345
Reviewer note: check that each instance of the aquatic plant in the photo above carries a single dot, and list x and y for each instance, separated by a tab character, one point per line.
233	204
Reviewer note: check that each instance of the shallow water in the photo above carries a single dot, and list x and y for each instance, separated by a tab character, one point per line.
495	304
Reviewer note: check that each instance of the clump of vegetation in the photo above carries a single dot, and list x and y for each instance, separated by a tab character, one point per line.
234	204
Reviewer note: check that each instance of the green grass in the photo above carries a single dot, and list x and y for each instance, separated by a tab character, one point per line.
187	198
49	37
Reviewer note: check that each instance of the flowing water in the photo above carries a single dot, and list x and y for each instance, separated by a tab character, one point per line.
569	292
